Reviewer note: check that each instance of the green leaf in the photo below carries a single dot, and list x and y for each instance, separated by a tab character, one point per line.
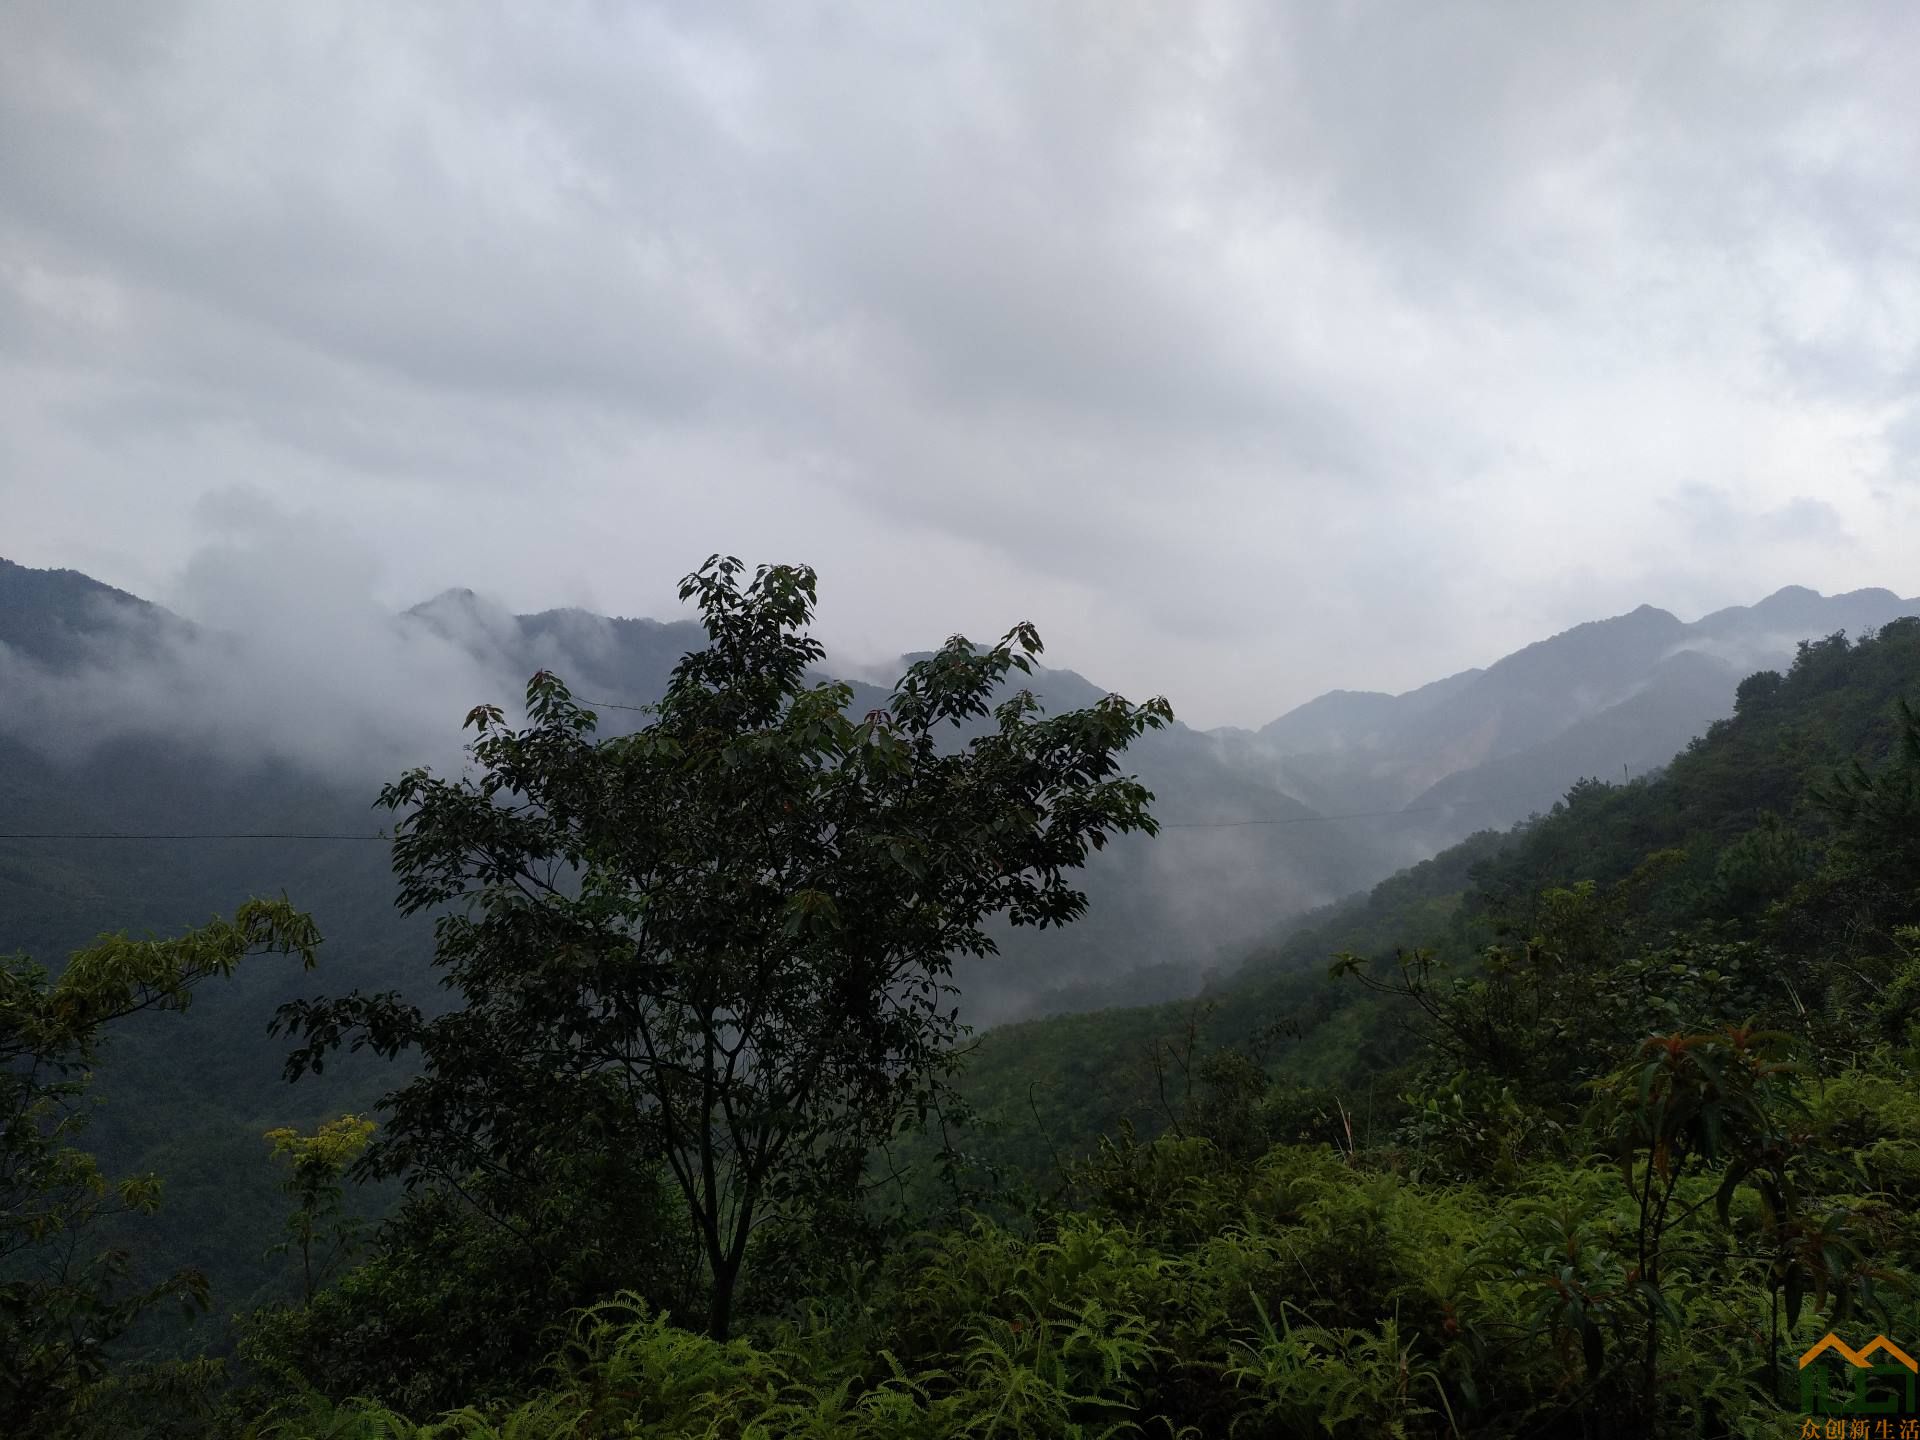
1723	1197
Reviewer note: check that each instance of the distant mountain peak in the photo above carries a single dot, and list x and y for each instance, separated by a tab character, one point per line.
55	615
59	583
1796	607
1789	597
1638	618
457	597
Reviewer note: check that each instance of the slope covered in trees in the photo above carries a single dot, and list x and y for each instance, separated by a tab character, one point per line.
119	717
1586	1128
116	716
1642	1128
1492	746
1755	771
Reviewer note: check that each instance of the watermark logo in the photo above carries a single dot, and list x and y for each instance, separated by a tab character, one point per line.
1870	1386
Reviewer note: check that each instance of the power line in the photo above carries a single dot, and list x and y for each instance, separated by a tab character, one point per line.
202	835
612	705
361	835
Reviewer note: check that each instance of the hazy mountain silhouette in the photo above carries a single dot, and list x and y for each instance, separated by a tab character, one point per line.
118	716
1263	825
1489	747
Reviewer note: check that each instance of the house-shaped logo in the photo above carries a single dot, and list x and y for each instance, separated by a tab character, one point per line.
1877	1379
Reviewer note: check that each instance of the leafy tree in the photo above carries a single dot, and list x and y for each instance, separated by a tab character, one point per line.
62	1301
1760	867
1686	1101
724	942
1699	978
451	1305
1877	846
319	1227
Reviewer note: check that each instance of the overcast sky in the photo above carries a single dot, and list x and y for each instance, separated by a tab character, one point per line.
1248	350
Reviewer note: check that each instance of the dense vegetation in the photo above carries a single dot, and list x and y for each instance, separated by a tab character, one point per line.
64	1299
1586	1129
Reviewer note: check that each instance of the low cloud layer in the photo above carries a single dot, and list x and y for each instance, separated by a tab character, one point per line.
288	656
1250	350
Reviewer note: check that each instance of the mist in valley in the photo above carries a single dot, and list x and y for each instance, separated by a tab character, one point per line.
1411	431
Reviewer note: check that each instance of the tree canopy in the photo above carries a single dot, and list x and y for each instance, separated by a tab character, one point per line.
65	1295
1596	1128
723	942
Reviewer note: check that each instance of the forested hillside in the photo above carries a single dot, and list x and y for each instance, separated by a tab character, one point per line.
120	718
1594	1128
1325	845
116	715
1751	778
1614	697
1586	1128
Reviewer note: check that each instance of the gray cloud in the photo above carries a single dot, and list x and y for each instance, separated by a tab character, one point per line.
1715	520
1250	350
291	658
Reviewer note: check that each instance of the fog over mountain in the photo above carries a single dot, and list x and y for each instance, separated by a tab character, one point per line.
111	703
288	695
1462	459
1609	699
291	695
1253	352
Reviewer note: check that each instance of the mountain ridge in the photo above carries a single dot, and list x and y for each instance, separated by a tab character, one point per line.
1253	841
1262	825
1530	723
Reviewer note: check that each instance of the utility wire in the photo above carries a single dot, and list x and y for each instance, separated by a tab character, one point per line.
312	835
612	705
124	835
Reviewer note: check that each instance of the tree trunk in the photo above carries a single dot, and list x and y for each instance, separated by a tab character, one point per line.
726	1270
720	1306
